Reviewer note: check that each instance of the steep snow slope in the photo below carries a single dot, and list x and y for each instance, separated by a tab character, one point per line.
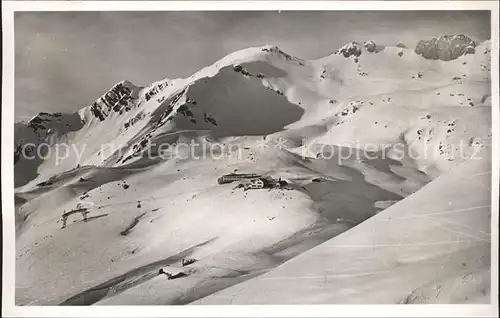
334	128
432	247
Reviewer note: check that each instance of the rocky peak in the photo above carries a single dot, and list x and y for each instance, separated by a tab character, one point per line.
356	48
446	47
118	98
350	49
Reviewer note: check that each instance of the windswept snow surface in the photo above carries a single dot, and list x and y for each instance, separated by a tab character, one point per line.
353	133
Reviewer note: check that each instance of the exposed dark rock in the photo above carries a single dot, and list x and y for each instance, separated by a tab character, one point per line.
134	222
446	47
349	110
351	49
36	123
276	50
50	181
23	151
470	50
188	261
372	47
97	111
172	275
209	119
240	69
17	153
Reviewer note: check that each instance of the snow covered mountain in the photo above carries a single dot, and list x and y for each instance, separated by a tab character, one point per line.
352	133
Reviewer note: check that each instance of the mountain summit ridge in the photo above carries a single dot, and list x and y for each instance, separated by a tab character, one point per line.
130	188
307	85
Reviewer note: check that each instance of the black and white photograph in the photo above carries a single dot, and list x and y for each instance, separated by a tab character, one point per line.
187	154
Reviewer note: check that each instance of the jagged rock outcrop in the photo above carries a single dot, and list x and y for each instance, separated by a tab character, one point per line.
372	47
356	49
278	52
44	124
44	128
446	47
156	89
351	49
118	98
37	122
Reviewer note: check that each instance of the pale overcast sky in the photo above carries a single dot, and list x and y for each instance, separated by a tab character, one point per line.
65	60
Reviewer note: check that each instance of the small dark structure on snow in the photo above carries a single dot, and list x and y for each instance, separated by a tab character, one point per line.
252	181
65	215
172	273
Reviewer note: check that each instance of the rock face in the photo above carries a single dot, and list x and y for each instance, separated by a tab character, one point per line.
117	99
356	49
371	47
446	47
